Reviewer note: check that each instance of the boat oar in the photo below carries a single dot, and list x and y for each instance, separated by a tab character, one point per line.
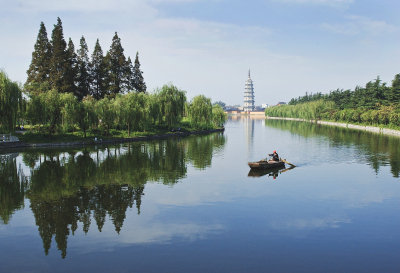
288	163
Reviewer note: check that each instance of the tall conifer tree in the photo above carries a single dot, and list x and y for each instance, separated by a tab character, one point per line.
395	89
39	68
70	70
58	60
97	72
138	81
83	76
116	67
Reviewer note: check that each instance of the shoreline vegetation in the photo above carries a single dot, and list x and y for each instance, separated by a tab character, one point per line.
96	141
375	107
379	130
69	97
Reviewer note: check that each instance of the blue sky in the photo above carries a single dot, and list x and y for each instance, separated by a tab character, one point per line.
207	46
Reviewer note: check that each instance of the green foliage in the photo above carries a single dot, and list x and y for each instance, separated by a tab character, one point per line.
199	111
98	73
222	104
55	65
10	103
376	104
172	103
39	68
374	92
218	115
105	111
135	76
309	110
83	71
117	67
59	59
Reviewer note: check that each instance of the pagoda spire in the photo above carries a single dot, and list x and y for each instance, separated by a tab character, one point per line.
249	73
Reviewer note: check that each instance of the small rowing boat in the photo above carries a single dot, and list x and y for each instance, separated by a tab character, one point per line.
263	164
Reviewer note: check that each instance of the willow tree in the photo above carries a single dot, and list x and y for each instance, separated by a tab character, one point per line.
130	110
53	103
199	111
85	113
218	115
172	104
10	102
105	111
153	109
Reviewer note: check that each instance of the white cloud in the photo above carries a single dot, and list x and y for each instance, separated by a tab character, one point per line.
320	2
360	25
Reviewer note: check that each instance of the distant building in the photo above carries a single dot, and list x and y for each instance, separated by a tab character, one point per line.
264	105
248	95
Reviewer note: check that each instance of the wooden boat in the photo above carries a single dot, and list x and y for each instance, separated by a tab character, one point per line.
263	164
262	172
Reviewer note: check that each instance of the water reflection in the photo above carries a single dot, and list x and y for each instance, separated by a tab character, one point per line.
274	173
12	188
72	185
376	150
249	132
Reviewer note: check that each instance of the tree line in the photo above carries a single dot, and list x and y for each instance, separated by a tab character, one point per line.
375	104
56	65
52	111
375	92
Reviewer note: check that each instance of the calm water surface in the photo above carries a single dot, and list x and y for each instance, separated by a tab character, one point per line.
191	204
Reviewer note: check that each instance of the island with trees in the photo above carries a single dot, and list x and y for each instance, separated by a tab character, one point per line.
69	96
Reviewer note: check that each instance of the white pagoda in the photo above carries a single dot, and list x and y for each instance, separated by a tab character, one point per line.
248	95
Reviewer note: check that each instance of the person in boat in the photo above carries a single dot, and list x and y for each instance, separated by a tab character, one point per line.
275	156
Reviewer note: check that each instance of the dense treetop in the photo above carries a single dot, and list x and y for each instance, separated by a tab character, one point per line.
56	65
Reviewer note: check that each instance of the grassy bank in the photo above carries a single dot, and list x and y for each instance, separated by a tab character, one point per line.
30	135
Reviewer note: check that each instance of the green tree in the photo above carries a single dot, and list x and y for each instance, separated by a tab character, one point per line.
52	102
172	104
116	67
83	77
85	114
131	109
218	115
39	68
10	102
105	111
97	72
199	111
137	76
222	104
394	91
59	61
71	70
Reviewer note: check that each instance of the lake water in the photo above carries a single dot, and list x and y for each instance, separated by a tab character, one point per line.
191	204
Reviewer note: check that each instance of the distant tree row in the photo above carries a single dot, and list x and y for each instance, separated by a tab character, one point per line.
375	92
56	65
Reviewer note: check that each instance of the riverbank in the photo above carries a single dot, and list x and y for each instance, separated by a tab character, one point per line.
378	130
347	125
21	144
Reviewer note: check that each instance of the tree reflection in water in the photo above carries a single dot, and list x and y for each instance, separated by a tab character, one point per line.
67	186
376	149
